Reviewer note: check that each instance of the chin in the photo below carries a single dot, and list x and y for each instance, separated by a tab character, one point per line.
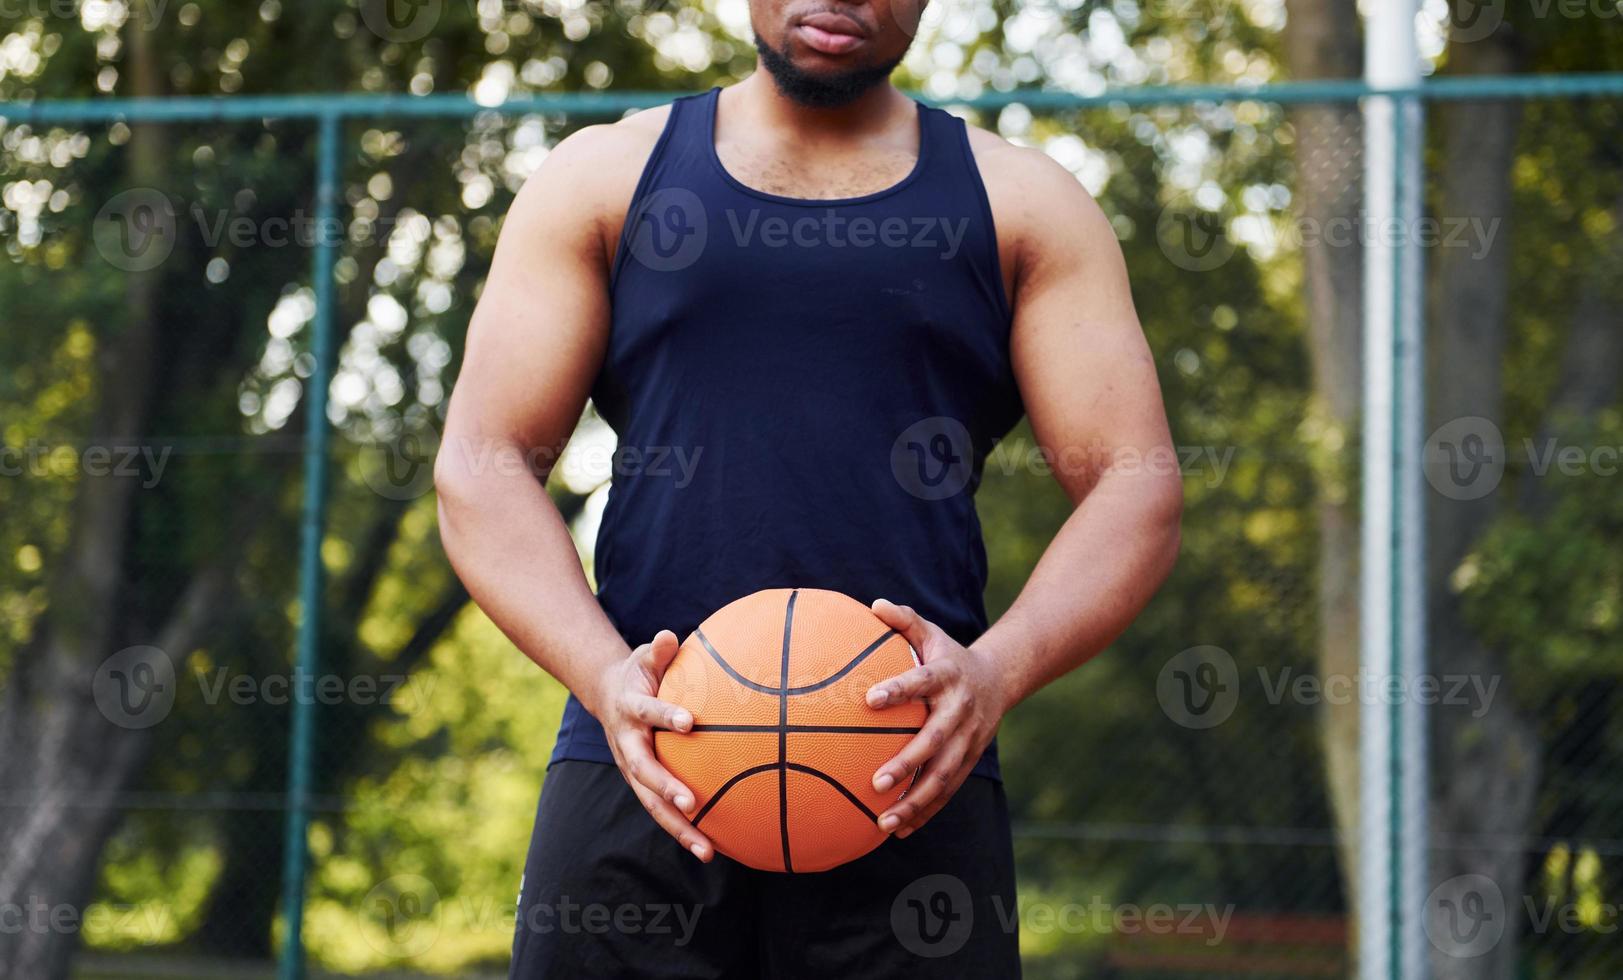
820	80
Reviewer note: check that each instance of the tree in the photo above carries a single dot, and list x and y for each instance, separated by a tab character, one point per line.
161	569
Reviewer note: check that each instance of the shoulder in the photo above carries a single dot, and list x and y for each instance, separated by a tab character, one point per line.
619	145
588	178
1039	207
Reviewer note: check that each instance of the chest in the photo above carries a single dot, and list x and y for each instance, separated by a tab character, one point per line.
827	175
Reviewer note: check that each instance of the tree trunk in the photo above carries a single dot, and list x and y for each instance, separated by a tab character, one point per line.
61	758
1322	40
1485	758
1592	360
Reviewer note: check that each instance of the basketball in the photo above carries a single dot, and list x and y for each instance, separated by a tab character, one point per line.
783	747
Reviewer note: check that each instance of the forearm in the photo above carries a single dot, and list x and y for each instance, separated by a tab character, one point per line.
1098	573
509	544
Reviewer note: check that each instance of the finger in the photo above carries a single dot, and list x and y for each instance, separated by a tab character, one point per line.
673	822
919	749
935	778
920	682
658	653
923	813
915	629
637	761
655	713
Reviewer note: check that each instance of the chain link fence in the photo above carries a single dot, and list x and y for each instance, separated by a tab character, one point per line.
1185	805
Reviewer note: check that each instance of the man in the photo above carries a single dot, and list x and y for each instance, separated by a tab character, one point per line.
808	306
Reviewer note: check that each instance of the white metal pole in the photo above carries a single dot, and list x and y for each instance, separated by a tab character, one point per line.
1392	776
1414	745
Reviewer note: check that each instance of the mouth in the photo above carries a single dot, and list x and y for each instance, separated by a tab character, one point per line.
830	33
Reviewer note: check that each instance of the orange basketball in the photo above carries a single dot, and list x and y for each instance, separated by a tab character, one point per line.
784	746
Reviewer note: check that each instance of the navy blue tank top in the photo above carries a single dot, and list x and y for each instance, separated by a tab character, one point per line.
804	393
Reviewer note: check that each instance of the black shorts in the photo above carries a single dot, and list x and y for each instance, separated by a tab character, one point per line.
607	893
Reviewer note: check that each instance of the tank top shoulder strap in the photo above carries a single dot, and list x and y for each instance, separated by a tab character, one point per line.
951	185
686	142
944	142
679	154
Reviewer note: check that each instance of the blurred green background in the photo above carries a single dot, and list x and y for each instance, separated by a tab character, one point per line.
151	414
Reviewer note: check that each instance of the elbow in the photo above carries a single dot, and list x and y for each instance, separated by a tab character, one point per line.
453	490
1161	523
1167	510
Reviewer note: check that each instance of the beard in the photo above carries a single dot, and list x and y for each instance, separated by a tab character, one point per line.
818	91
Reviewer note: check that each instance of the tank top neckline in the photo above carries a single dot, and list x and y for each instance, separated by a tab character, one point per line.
708	135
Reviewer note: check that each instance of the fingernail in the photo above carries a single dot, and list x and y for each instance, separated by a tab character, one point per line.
683	802
876	697
683	720
698	851
883	781
888	822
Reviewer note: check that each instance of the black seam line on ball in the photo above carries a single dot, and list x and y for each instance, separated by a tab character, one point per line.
803	729
770	766
825	777
734	674
729	784
867	652
784	686
783	731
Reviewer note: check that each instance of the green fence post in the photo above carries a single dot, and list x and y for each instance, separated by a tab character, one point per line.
316	432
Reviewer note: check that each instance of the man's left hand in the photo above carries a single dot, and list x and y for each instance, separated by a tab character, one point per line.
965	693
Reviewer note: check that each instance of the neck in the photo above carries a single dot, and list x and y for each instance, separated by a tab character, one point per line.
758	100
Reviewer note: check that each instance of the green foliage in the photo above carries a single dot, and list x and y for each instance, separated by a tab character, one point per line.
1114	799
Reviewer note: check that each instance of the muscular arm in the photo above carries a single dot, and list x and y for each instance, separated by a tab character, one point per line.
1090	388
1089	384
535	344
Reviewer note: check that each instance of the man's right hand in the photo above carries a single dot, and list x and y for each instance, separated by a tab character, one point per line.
629	711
